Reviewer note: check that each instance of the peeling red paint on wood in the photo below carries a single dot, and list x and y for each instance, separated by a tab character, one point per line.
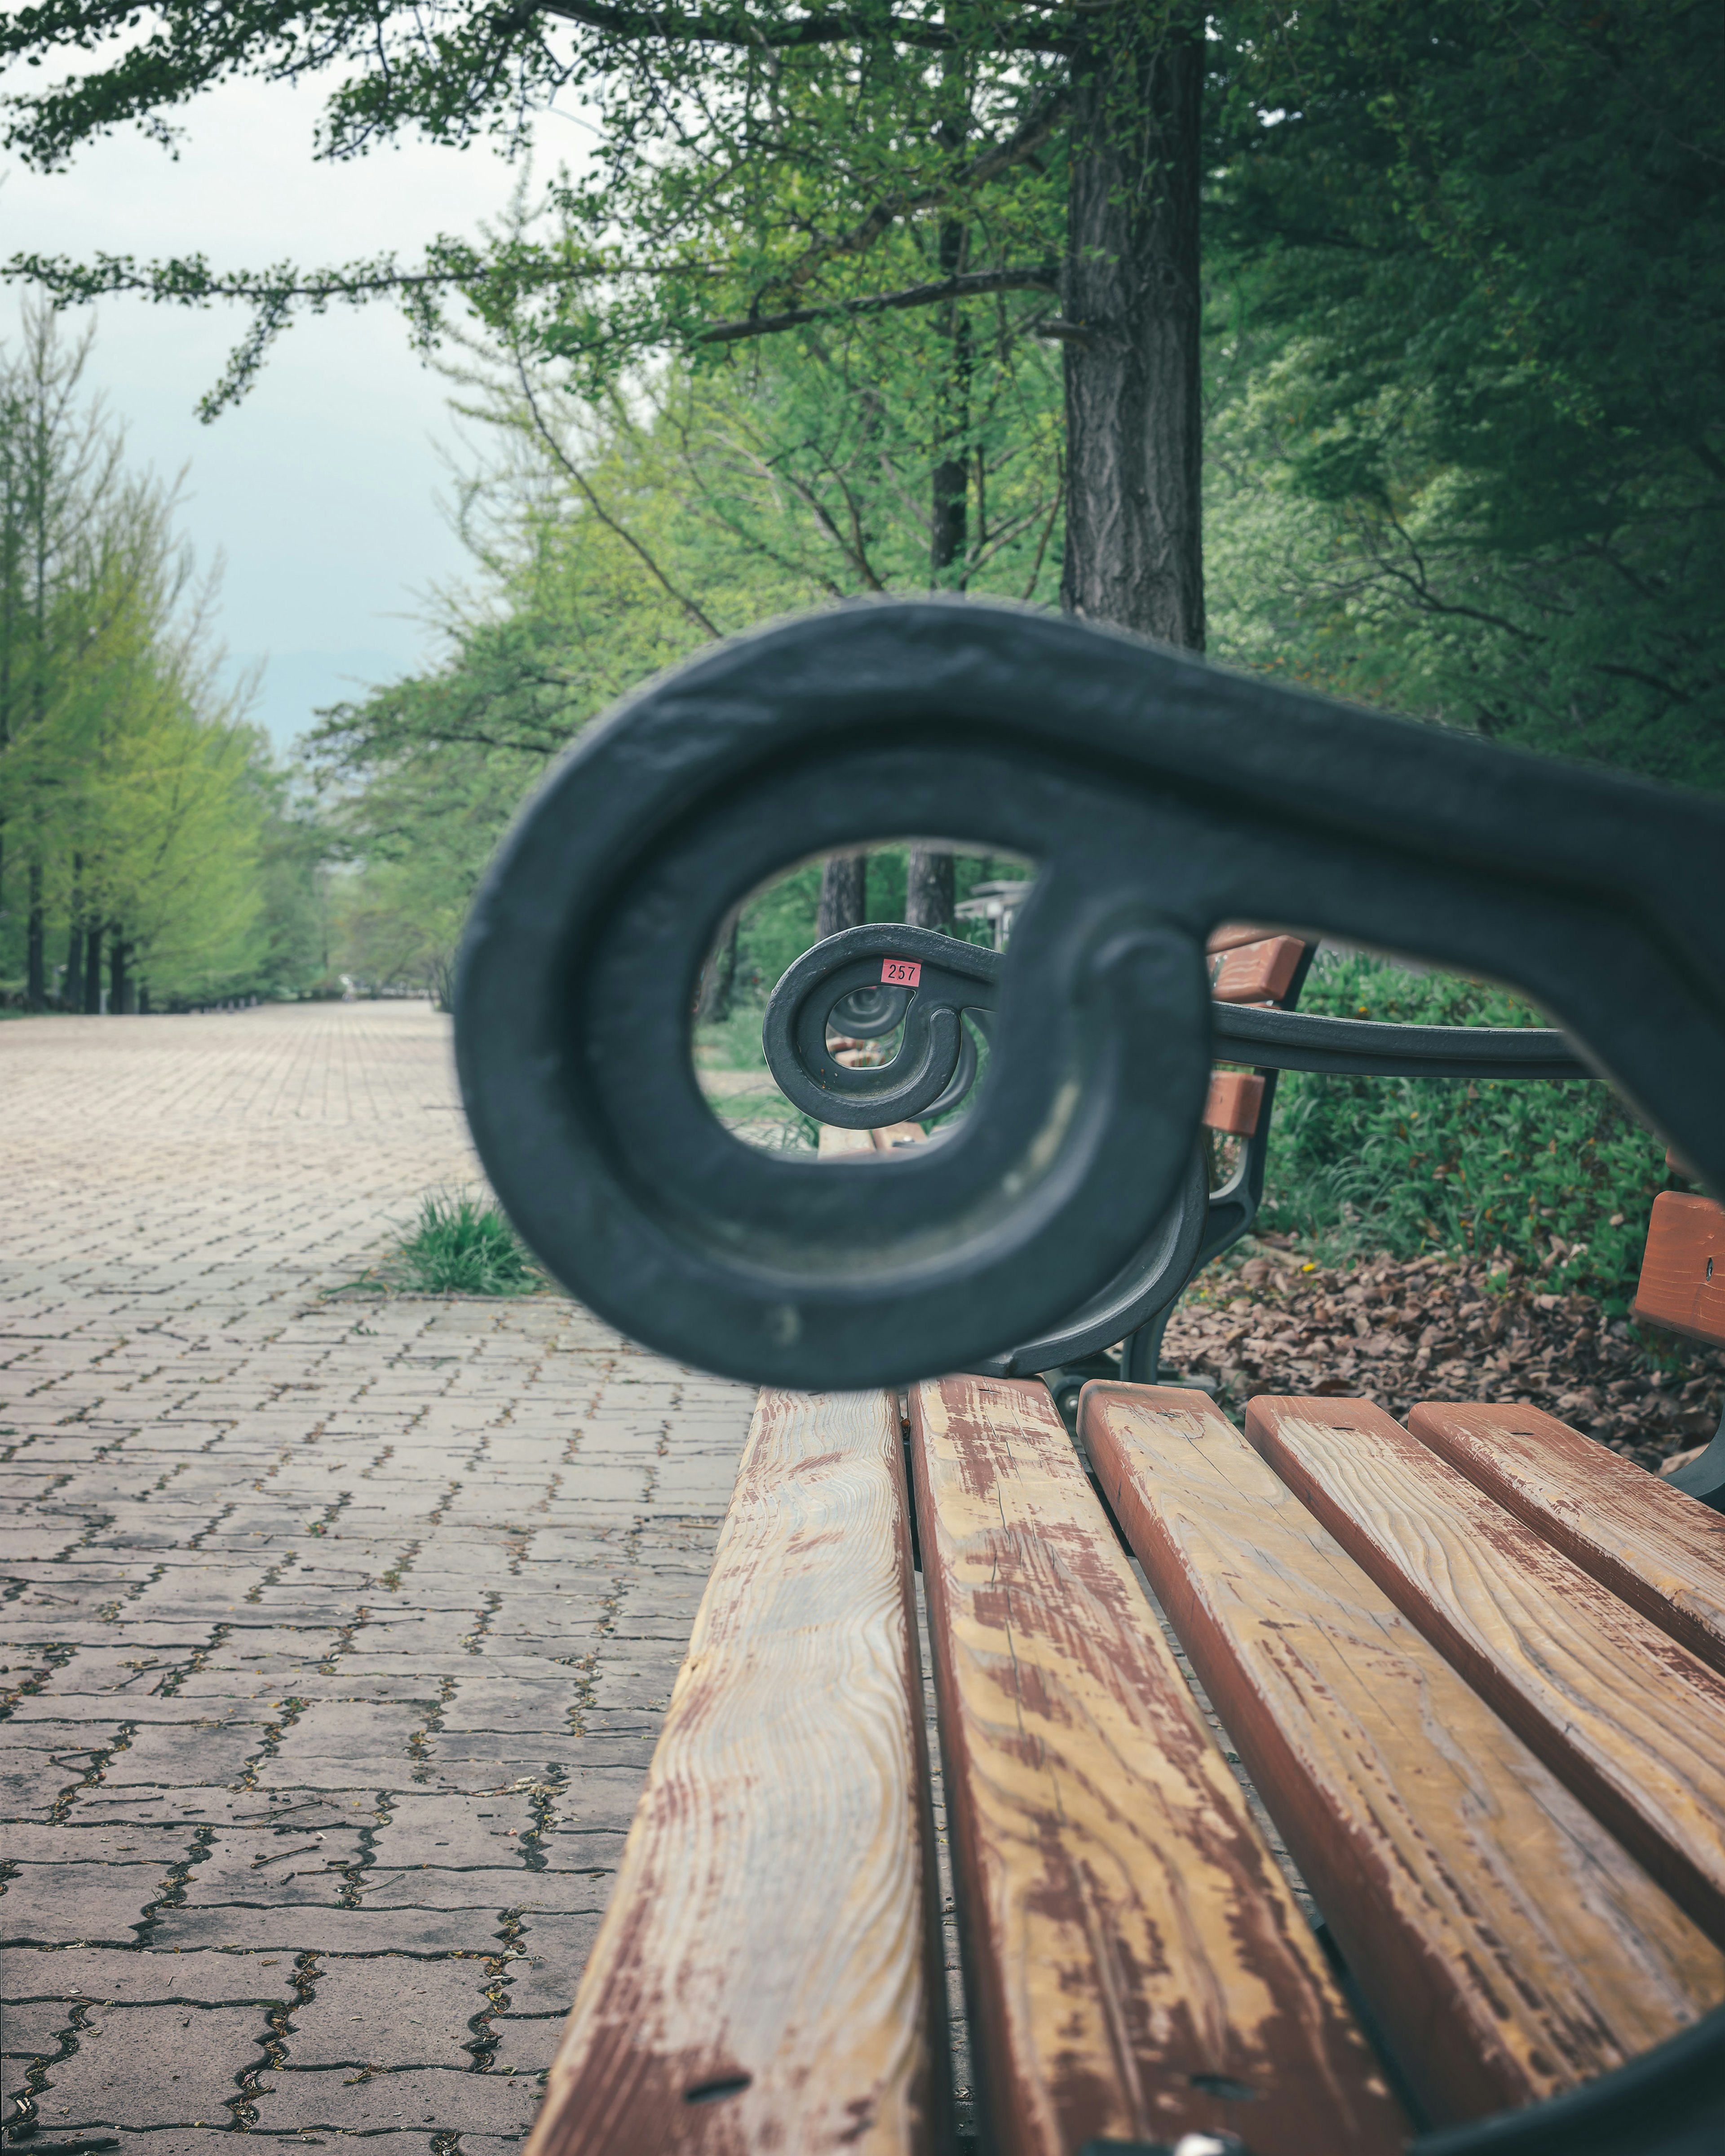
1632	1722
1682	1284
1660	1550
1510	1947
1130	1943
768	1977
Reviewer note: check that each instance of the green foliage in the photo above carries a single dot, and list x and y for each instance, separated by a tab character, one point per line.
460	1244
136	806
1556	1175
1469	451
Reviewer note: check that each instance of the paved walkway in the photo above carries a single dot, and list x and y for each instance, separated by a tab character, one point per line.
336	1631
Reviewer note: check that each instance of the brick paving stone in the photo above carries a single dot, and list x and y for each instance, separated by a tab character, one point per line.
140	1979
310	1597
362	2013
440	2100
538	1983
527	2043
144	2066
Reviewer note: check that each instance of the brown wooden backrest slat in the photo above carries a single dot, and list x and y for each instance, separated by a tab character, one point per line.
1509	1947
1663	1553
1633	1723
1258	973
1131	1950
769	1973
1682	1285
1234	1103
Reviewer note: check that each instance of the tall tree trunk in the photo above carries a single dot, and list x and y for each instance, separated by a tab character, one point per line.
35	951
116	971
844	894
93	970
1131	307
929	895
718	977
72	987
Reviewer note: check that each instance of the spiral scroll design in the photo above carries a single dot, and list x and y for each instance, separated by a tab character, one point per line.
1160	796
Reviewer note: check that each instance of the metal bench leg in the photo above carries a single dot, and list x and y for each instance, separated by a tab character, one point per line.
1704	1477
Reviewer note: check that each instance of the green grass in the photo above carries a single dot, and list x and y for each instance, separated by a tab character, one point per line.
460	1244
1558	1176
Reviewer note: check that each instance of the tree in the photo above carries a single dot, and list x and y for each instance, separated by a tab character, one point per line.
130	793
1477	464
798	156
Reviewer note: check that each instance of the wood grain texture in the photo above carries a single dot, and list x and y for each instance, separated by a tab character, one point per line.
1134	1960
1234	1103
1633	1723
1661	1551
1258	973
1509	1947
774	1925
835	1144
1682	1284
1232	934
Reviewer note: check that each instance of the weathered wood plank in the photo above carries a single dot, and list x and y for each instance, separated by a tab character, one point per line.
1509	1947
767	1977
1134	1962
837	1143
1682	1284
1658	1549
1258	973
1632	1722
1234	1103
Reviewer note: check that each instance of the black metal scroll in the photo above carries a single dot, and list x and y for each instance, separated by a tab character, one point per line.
816	990
1160	797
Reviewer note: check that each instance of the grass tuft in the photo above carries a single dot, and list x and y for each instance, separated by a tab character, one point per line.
460	1244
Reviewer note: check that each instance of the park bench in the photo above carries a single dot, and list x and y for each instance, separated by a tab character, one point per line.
1498	1766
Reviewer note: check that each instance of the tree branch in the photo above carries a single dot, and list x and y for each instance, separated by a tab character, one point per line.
729	27
546	435
1045	279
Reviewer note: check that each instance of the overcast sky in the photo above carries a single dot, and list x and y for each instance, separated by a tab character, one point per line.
320	492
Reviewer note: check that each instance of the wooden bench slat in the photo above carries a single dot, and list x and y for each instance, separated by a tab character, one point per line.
1658	1549
1632	1722
1682	1284
1258	973
834	1142
1131	1950
775	1914
1234	1103
1232	934
1509	1947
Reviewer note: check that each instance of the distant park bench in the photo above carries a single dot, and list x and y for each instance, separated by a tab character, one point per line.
1472	1665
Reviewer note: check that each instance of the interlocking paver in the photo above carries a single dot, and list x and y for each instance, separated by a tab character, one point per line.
336	1629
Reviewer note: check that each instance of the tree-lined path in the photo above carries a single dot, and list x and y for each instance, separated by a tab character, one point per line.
338	1627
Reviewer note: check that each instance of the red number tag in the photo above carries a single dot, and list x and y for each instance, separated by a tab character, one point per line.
899	973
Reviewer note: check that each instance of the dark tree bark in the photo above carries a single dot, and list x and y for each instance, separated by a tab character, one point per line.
843	894
718	977
35	944
116	971
1131	317
72	987
928	889
949	521
93	970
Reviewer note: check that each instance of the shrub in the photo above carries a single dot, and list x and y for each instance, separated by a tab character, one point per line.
1557	1174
